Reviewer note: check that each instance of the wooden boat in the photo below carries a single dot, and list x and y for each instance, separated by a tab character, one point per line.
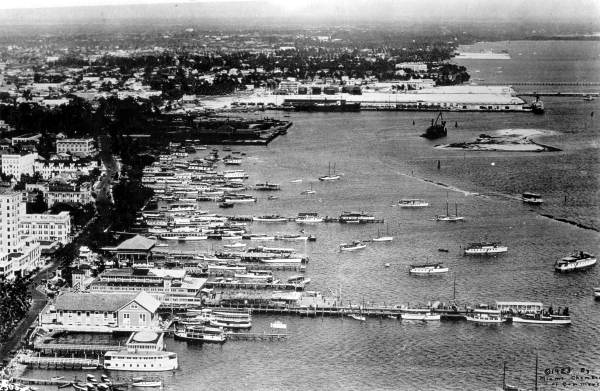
358	317
485	316
355	245
147	384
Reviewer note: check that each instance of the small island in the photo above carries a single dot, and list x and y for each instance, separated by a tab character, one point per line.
505	140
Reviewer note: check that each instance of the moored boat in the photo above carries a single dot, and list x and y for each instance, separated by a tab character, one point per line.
308	218
485	316
577	261
412	203
357	317
331	176
597	293
270	219
542	319
433	268
485	249
355	245
423	314
532	198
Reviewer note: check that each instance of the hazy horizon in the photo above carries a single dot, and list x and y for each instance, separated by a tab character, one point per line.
580	12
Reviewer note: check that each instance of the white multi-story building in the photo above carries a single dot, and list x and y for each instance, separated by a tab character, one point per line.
47	227
17	164
18	254
76	146
69	194
55	167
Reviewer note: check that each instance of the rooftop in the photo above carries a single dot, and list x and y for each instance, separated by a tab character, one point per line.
138	242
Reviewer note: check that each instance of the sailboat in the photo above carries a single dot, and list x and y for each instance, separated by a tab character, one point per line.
386	238
309	191
330	176
449	218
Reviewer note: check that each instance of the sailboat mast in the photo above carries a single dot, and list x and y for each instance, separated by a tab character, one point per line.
454	289
536	371
504	376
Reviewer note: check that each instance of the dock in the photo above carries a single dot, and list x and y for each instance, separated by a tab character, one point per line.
254	285
75	348
371	312
59	382
256	336
60	362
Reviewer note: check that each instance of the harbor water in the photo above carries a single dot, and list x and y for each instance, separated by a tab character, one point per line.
383	159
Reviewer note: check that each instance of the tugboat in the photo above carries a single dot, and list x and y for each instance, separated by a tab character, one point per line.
437	128
537	107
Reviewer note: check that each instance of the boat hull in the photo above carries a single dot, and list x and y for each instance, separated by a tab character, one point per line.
553	321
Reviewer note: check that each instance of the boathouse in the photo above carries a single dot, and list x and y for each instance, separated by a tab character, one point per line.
101	312
136	251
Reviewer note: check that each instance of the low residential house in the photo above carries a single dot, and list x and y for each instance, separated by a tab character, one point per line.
101	312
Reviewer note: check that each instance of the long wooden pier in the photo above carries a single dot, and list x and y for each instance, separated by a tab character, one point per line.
256	336
59	362
72	348
373	312
254	285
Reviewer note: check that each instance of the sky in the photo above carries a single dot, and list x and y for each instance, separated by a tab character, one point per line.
546	10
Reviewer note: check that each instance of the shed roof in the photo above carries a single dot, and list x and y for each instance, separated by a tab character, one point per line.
138	242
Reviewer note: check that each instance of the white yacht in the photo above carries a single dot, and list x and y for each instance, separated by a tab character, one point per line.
485	249
308	218
485	316
355	245
577	261
423	314
542	319
231	319
271	219
433	268
412	203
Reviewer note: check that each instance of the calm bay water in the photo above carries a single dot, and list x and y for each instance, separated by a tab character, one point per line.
383	160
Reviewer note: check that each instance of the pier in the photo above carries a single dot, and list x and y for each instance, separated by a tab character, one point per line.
75	348
254	285
371	312
59	362
256	336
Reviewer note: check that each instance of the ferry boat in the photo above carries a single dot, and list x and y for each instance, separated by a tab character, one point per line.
485	249
423	314
428	269
485	316
267	186
231	319
576	261
542	319
412	203
140	361
270	219
532	198
308	218
201	334
355	245
356	218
